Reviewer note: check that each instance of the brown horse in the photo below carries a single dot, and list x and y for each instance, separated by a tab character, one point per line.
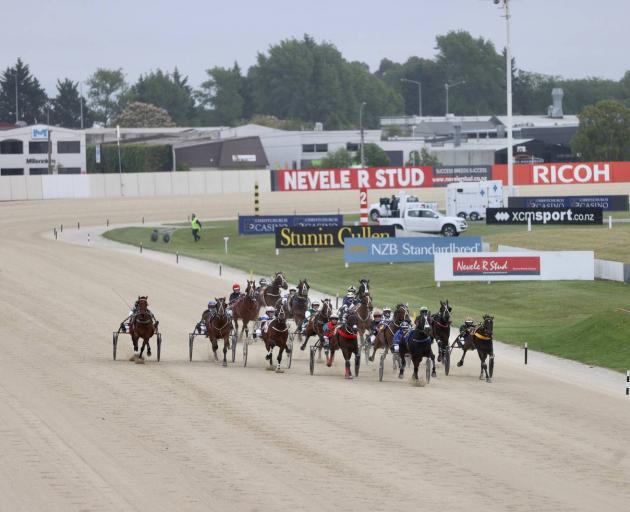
387	330
315	325
276	335
480	339
363	310
298	304
270	294
218	326
345	338
245	308
418	345
142	325
441	323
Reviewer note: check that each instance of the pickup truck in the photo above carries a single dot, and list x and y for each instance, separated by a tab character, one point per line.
425	220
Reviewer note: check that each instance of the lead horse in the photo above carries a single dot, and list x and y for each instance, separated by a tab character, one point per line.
276	335
218	326
345	338
441	323
269	295
142	325
418	345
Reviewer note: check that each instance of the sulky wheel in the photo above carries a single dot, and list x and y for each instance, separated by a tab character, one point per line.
191	338
381	368
446	361
290	346
491	366
312	360
159	345
245	345
234	341
429	366
114	343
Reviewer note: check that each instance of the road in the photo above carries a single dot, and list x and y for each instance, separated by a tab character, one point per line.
79	431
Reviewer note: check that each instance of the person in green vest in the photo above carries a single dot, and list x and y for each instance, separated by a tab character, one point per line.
196	226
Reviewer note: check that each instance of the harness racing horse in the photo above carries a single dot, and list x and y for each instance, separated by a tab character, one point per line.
218	326
387	330
298	304
363	309
345	338
276	335
480	338
245	308
142	325
418	344
315	325
270	294
441	323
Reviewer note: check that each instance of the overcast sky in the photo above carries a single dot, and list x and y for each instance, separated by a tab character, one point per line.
71	38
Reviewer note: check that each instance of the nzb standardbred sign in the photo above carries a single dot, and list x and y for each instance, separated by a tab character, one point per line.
567	216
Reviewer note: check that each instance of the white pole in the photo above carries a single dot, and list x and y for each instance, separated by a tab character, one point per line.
225	239
529	223
119	160
81	87
610	222
508	72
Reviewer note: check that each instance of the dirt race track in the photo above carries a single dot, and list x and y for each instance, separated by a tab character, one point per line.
79	431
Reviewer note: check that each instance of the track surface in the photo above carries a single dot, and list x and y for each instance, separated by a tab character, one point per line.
81	432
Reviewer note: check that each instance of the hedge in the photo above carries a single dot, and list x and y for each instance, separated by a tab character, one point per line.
134	158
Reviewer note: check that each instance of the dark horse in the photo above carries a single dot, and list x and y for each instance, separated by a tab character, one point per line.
298	304
245	308
142	325
418	345
387	330
315	325
270	294
345	338
217	327
276	335
441	323
480	339
363	309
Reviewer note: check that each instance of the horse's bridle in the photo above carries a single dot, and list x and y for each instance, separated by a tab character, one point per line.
220	313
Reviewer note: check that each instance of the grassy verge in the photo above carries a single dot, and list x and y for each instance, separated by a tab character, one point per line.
573	319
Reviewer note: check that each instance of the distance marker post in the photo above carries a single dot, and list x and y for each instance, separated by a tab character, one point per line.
525	352
256	199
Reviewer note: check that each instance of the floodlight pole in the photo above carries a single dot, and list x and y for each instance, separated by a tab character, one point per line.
508	73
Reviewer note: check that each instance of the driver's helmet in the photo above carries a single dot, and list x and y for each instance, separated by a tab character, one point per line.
236	287
315	304
352	289
334	317
387	312
405	326
292	291
270	311
424	310
377	312
262	281
469	321
212	304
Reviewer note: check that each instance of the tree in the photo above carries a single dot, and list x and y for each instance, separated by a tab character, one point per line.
604	132
107	89
423	158
223	93
32	99
169	91
144	115
337	159
374	156
66	106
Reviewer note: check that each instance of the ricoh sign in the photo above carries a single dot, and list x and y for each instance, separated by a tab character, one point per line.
575	173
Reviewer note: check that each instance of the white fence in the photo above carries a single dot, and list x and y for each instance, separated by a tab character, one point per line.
143	184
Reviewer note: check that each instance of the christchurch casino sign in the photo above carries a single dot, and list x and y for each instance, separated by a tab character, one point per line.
351	179
320	237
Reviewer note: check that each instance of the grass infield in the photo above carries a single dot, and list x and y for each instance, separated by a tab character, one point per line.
579	320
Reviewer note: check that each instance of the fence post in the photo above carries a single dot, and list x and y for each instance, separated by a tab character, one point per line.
55	233
525	352
627	382
107	222
88	239
140	247
529	223
61	228
256	201
142	219
177	257
78	225
610	222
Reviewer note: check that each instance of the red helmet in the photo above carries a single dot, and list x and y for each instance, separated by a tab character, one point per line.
236	286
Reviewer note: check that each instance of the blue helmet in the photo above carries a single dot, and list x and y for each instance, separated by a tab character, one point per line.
212	303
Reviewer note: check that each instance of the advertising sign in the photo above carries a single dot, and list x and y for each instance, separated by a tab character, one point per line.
567	216
574	173
261	225
406	249
39	132
606	203
351	179
443	175
515	266
320	237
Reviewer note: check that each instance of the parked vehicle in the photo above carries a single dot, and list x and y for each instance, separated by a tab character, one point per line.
396	205
425	220
470	199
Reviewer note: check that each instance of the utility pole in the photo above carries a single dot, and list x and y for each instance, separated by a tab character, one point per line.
508	72
16	95
81	88
419	84
361	127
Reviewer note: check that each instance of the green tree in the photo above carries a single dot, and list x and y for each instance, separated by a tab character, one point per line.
32	99
144	115
337	159
66	106
374	156
604	132
106	94
223	93
169	91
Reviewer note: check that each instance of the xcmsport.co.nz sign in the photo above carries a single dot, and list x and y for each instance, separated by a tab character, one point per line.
407	249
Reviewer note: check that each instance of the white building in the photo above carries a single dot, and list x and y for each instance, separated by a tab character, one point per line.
25	151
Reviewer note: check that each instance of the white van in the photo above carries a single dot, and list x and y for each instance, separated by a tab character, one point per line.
469	199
